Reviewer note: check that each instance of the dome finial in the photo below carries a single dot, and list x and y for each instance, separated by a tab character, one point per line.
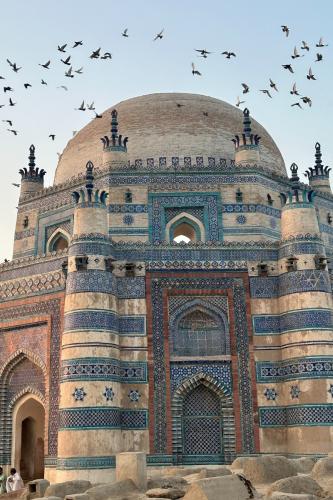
89	178
318	163
114	125
246	122
32	157
294	170
116	142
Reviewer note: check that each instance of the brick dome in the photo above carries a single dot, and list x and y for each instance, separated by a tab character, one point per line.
157	127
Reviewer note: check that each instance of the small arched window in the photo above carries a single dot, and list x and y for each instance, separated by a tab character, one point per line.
58	242
185	229
128	196
270	200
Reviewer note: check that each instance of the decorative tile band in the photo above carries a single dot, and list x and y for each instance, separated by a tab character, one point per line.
104	369
90	248
300	248
75	463
128	208
309	280
104	320
91	281
105	282
246	208
308	319
19	235
102	418
294	416
295	368
129	230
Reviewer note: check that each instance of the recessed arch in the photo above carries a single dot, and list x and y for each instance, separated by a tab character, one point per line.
178	405
187	225
59	240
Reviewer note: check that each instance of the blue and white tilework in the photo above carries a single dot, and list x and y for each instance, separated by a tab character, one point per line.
270	394
79	394
108	394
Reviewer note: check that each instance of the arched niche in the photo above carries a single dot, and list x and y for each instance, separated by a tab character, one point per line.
58	241
28	430
185	228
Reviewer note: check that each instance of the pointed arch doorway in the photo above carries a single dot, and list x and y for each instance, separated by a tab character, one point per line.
28	437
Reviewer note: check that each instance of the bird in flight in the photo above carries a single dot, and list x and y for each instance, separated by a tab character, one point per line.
307	100
52	136
296	104
124	33
195	71
179	105
43	82
79	71
97	115
159	35
27	85
203	52
285	29
288	67
246	88
321	43
11	103
14	184
205	113
46	65
95	54
7	89
239	102
2	78
13	66
67	60
228	54
76	44
319	57
62	87
294	90
107	55
265	91
305	46
13	131
69	73
61	48
91	106
310	75
82	107
273	85
10	123
295	55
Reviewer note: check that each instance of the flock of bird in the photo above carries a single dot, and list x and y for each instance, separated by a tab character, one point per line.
70	72
272	85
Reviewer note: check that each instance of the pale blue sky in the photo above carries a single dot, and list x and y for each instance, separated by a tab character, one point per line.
31	30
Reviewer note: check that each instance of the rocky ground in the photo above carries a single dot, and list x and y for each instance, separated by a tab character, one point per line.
265	478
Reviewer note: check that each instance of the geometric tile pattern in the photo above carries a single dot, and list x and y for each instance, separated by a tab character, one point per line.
296	368
159	374
294	282
104	320
105	282
270	394
308	319
291	416
294	392
127	208
76	463
102	418
104	369
209	201
182	370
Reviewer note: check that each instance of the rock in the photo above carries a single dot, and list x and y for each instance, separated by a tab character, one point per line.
267	469
181	471
238	463
167	482
67	488
48	498
323	468
37	488
219	471
171	493
232	487
304	464
292	496
192	478
112	490
78	496
297	484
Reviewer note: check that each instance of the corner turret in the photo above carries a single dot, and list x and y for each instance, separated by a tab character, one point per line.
319	175
247	144
32	178
115	146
